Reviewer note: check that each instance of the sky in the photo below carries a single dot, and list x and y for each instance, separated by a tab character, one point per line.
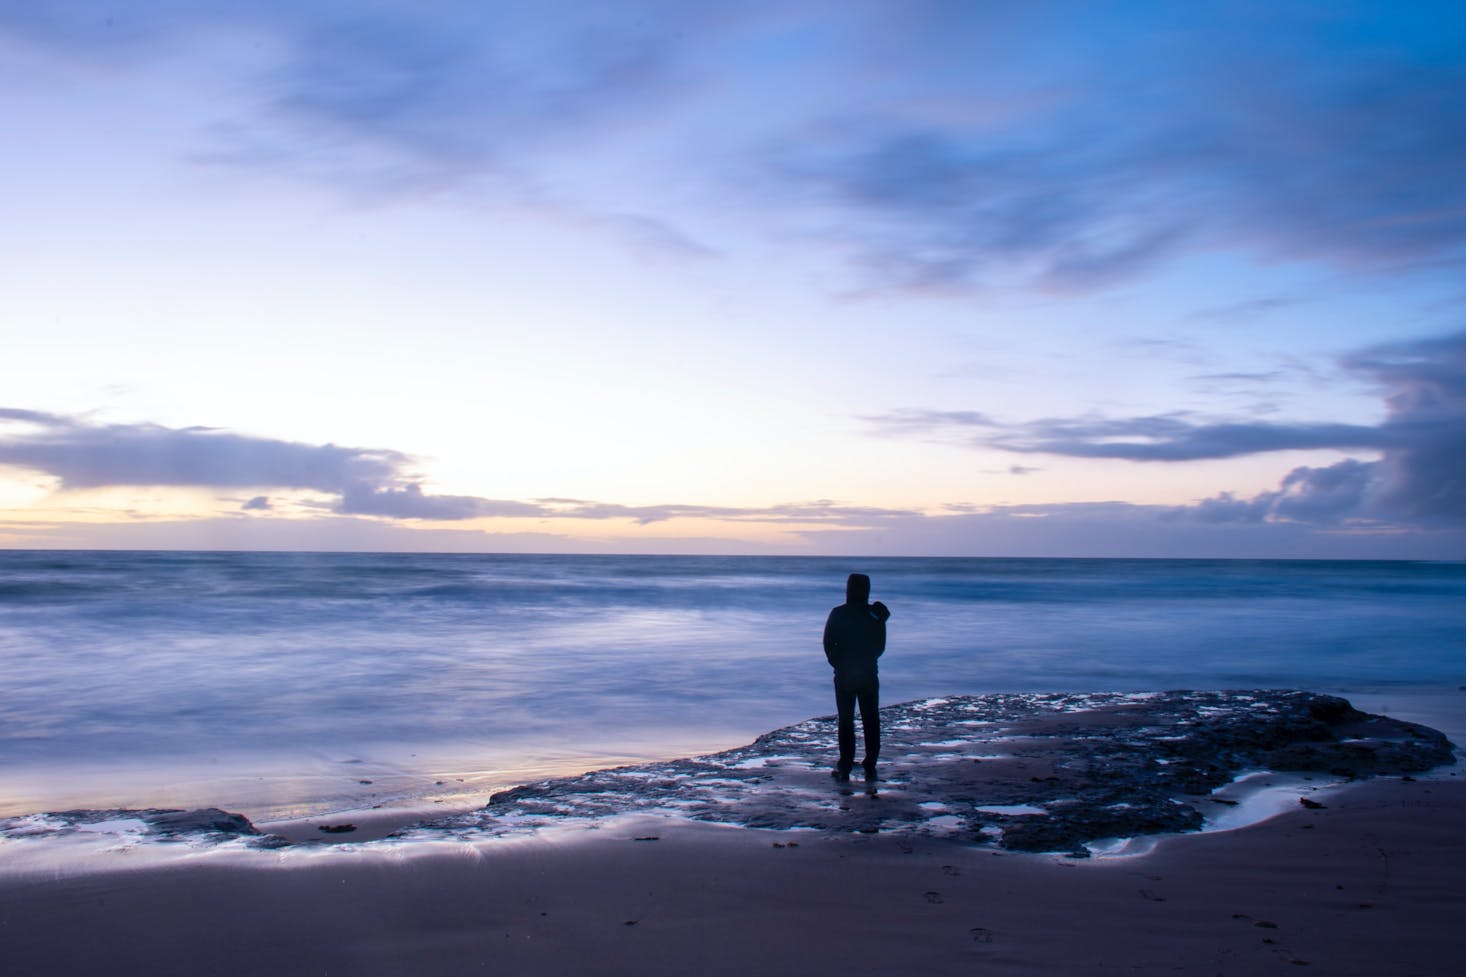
866	278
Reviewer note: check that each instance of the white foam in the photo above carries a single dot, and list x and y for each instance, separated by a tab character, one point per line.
129	827
1011	809
1106	848
1260	795
946	824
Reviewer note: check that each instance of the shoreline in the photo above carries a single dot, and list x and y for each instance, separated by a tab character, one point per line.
1082	774
1367	884
1107	764
269	793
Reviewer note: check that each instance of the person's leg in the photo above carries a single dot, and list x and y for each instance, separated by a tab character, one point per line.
845	711
870	722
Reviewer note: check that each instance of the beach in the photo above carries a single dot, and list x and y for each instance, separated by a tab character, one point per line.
531	766
1368	884
754	860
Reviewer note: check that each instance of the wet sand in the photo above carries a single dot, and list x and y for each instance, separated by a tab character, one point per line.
1370	884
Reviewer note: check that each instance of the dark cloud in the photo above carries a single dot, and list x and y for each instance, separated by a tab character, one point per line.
84	455
410	502
260	503
1156	438
1174	438
1311	495
1418	478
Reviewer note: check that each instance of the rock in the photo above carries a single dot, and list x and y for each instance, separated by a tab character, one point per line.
1056	770
207	824
204	821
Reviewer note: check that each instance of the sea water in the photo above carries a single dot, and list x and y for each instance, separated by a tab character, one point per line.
281	684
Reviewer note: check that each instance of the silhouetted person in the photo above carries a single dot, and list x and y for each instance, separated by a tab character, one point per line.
855	636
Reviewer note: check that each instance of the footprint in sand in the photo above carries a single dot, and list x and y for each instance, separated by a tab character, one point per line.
933	897
981	934
950	870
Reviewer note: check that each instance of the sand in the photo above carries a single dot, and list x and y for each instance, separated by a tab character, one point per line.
1372	884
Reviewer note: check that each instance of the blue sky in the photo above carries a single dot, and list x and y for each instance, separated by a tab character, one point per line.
928	278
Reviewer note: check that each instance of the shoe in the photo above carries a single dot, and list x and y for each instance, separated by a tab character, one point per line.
870	771
840	774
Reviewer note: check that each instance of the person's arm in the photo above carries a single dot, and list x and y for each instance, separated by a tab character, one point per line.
880	612
832	643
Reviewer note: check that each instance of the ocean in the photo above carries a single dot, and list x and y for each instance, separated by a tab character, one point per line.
294	684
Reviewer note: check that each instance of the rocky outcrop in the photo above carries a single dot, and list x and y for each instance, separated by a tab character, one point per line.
1036	772
1028	772
208	824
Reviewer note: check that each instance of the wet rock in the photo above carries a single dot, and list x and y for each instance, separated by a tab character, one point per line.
208	824
205	821
1056	771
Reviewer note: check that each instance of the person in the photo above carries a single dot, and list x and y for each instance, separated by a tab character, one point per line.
855	636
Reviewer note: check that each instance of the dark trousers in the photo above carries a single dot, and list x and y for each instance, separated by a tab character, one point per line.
865	689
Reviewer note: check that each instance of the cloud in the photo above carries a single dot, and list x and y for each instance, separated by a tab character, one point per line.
472	84
820	511
410	502
1174	438
442	96
1170	437
1242	312
933	144
1292	133
1419	477
83	455
364	481
1125	530
29	416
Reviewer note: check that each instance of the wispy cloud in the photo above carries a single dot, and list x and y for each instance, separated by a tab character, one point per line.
1157	438
1191	130
1242	312
824	511
1092	143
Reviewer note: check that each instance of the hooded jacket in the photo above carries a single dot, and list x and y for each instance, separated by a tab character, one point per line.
855	632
